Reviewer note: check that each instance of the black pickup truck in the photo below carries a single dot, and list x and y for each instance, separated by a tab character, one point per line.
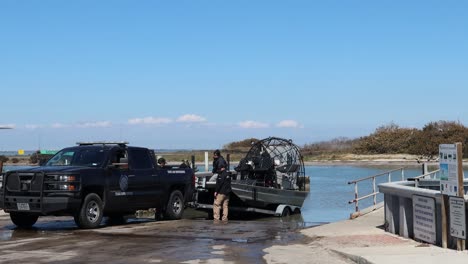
93	180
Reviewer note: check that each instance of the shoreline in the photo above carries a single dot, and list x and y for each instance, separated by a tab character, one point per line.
380	162
404	163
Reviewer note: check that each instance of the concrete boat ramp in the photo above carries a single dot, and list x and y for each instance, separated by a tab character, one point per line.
361	240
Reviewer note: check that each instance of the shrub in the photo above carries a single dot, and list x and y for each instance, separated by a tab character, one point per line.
3	158
240	146
387	139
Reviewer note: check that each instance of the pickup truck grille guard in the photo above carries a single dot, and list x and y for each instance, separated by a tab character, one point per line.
20	187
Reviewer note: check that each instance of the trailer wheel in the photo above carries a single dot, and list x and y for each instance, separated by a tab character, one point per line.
175	206
23	220
286	212
158	215
90	214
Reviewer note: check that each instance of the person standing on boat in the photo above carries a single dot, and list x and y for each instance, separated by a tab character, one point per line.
223	187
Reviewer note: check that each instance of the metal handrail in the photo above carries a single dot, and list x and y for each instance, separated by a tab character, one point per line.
432	175
376	175
374	189
427	174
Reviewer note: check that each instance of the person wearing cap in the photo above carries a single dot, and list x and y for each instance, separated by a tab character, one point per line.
161	163
223	187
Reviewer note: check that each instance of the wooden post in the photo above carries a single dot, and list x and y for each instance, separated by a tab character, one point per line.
461	187
194	166
443	209
1	167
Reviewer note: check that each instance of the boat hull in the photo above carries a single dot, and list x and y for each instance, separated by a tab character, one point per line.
258	196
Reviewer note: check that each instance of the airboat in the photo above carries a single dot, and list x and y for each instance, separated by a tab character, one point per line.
270	179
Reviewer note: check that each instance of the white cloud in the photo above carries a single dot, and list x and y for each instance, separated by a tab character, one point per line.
149	120
8	125
95	124
32	126
59	125
253	124
191	118
289	124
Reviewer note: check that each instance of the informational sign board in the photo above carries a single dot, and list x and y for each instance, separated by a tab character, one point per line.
457	217
424	219
448	169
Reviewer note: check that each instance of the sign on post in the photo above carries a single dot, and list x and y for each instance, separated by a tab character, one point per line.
424	218
457	217
448	169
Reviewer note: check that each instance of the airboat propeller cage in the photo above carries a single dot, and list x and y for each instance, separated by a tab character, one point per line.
274	162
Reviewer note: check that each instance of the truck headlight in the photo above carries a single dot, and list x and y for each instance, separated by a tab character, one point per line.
67	187
66	178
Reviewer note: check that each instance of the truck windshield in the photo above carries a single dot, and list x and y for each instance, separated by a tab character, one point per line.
78	157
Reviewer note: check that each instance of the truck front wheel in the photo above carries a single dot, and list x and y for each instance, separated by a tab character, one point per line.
175	206
90	214
23	220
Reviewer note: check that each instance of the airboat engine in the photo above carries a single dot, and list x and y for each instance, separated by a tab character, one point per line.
273	162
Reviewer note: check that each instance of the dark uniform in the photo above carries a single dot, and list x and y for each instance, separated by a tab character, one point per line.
223	187
218	164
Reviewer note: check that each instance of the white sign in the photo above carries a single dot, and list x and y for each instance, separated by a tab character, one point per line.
457	217
424	224
448	169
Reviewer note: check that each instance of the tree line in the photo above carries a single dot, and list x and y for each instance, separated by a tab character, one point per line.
386	139
393	139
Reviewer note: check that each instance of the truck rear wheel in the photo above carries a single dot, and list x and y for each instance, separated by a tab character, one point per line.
90	214
175	206
23	220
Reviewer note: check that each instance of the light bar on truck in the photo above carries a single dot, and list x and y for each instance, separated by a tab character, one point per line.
120	143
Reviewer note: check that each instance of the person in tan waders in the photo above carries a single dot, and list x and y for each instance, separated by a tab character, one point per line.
223	187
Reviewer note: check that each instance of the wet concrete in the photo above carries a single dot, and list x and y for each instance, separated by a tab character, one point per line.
190	240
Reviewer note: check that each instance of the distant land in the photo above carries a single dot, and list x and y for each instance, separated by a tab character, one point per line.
388	143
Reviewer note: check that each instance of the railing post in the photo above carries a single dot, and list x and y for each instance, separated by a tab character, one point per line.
373	191
356	204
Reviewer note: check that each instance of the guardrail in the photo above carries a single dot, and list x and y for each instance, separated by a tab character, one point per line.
374	189
430	175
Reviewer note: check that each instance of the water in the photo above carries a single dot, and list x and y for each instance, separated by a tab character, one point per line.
330	192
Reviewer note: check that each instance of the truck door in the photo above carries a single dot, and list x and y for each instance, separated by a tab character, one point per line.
140	178
117	182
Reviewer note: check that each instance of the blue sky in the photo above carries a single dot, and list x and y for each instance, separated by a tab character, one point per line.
200	74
